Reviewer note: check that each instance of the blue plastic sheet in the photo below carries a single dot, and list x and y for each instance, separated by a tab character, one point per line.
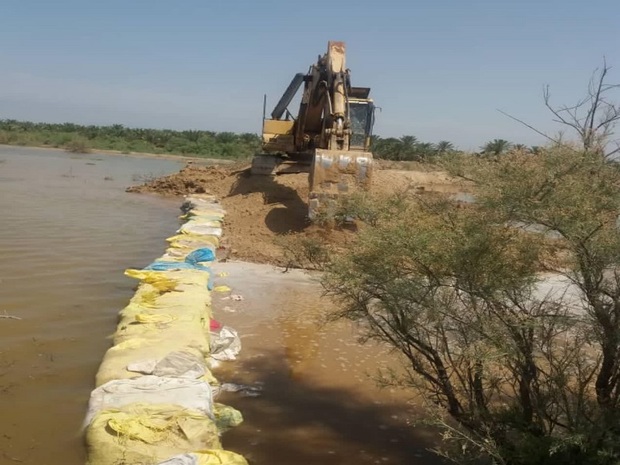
169	266
200	255
192	262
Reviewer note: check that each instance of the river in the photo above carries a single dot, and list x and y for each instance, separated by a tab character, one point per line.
68	232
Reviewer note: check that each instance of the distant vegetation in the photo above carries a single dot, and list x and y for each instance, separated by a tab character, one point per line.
408	148
83	139
78	138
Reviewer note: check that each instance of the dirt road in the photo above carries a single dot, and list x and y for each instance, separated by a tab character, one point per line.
261	210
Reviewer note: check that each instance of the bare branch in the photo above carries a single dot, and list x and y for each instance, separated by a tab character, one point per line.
593	117
529	126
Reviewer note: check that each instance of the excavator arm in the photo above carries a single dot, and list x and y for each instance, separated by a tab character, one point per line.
331	129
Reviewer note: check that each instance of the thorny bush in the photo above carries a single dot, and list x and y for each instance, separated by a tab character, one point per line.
513	368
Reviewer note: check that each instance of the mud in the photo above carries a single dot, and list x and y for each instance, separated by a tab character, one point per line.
261	210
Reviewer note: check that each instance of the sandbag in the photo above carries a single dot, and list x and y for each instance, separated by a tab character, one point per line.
207	457
192	241
190	328
160	281
194	227
174	365
136	350
187	393
203	254
147	435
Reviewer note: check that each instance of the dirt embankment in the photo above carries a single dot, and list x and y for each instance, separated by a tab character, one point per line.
261	209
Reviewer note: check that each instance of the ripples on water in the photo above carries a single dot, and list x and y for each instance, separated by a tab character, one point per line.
67	232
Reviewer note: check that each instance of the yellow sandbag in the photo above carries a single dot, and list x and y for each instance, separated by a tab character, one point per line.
190	328
136	314
161	318
138	350
186	293
162	282
196	240
181	316
148	434
146	296
221	289
209	378
178	276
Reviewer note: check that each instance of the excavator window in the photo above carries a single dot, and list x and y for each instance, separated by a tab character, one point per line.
361	115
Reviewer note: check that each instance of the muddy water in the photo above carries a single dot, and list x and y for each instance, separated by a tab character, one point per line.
67	232
319	401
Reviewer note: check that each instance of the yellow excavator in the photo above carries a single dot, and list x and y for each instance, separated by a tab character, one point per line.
330	135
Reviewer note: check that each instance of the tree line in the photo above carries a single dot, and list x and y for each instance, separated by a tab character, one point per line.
83	138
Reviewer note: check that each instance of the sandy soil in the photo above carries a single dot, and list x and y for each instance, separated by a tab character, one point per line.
263	210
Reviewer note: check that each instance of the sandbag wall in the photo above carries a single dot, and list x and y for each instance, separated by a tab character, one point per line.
153	402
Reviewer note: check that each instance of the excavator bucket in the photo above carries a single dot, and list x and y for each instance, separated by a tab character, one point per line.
335	173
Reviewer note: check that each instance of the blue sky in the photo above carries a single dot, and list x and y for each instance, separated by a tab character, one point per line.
438	69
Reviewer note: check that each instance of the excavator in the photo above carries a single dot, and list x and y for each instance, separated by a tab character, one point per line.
329	137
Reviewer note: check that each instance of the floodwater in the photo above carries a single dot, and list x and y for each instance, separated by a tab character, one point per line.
68	231
319	401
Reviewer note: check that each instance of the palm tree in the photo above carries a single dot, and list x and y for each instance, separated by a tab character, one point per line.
388	149
496	147
425	150
444	146
407	147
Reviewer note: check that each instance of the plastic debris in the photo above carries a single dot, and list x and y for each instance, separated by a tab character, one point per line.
207	457
204	254
221	289
243	389
225	344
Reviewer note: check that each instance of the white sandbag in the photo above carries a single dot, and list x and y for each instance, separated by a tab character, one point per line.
174	365
192	227
187	393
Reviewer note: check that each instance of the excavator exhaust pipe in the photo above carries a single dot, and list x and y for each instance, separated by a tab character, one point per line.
334	174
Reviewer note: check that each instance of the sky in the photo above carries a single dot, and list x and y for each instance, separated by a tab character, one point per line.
438	69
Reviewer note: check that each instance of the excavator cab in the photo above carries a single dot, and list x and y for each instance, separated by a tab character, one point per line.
329	137
362	114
